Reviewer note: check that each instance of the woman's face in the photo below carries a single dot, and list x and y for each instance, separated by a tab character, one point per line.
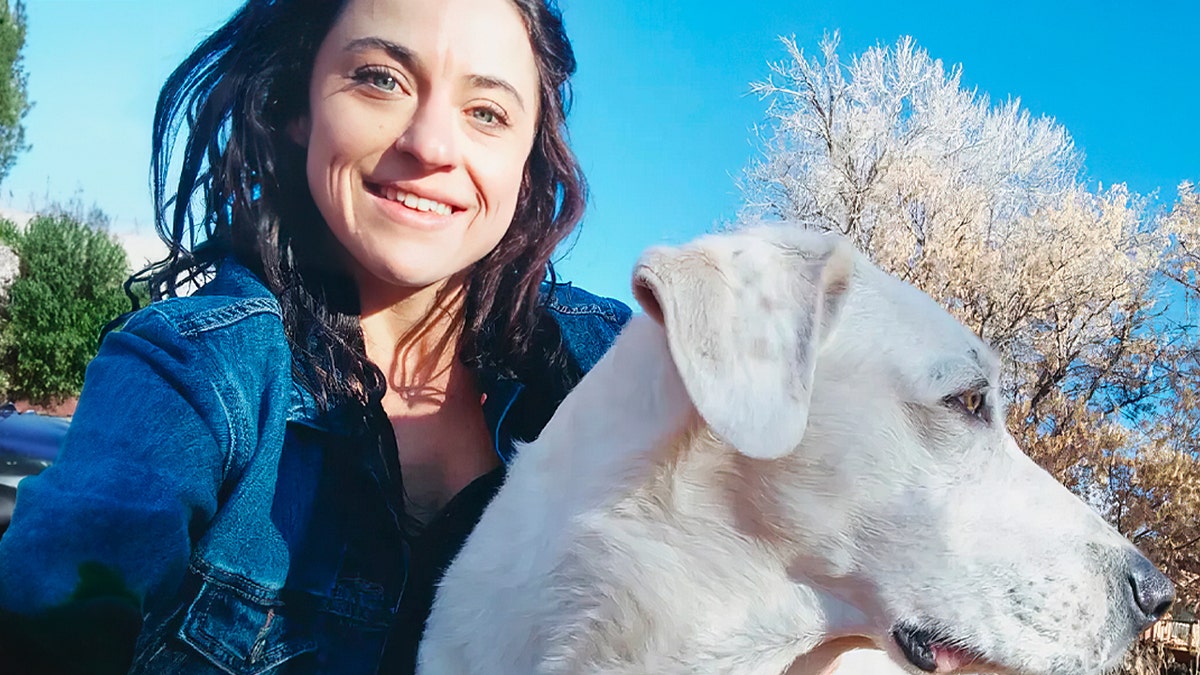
421	116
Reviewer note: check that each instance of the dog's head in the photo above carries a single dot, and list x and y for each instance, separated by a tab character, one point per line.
867	433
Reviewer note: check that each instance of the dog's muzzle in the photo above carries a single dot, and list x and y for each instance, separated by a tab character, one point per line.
932	650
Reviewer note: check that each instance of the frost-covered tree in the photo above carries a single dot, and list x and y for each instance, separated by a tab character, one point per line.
1086	291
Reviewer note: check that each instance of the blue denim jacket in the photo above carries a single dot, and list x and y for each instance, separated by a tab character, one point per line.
201	483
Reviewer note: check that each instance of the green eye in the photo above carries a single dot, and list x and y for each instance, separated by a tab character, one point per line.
484	115
378	78
489	116
384	82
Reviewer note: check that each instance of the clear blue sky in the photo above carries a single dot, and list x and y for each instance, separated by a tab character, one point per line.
662	121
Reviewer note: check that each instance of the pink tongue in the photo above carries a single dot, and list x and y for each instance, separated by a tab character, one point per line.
949	659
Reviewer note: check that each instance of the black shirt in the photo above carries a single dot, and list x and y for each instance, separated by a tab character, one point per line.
431	551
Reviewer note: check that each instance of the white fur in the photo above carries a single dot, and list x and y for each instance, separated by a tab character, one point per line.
763	473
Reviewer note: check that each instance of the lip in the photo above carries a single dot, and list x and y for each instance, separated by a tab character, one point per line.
377	188
397	211
933	652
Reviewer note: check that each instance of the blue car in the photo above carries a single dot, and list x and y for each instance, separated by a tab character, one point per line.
29	443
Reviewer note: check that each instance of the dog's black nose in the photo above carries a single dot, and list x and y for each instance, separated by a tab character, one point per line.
1153	592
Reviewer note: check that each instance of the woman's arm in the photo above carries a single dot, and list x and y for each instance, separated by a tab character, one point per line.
107	529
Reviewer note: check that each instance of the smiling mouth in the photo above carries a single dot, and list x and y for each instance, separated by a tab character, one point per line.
410	200
932	651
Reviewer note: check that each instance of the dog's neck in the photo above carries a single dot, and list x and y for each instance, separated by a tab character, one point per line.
612	428
645	476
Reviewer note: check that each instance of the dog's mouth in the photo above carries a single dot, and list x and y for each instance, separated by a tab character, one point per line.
934	650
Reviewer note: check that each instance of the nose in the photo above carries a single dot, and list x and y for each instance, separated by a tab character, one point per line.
429	137
1153	592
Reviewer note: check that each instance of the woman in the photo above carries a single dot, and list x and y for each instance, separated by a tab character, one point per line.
272	473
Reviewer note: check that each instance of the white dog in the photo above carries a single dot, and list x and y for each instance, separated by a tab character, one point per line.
792	455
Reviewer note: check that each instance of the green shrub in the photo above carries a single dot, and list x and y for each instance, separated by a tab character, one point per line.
9	232
69	287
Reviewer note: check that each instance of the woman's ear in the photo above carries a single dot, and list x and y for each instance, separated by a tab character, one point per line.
299	129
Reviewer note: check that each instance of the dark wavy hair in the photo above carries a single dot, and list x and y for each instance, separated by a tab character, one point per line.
241	191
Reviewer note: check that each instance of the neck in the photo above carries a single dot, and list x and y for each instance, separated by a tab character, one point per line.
617	418
413	336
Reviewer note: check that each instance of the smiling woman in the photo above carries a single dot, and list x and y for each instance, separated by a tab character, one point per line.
368	196
417	137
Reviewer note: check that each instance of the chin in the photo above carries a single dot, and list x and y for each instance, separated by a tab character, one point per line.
403	278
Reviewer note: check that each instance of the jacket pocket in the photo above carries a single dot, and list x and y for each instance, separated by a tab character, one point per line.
242	633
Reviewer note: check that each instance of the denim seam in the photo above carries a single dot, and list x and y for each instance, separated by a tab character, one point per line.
236	583
201	637
583	310
290	647
232	453
499	425
225	315
211	644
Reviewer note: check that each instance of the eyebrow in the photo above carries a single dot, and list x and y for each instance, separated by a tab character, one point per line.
961	373
405	55
489	82
396	51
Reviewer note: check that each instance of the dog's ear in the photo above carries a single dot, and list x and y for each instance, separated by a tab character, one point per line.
745	317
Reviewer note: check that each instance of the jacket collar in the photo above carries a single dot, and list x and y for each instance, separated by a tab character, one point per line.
499	395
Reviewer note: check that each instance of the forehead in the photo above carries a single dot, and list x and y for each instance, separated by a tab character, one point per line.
447	37
920	337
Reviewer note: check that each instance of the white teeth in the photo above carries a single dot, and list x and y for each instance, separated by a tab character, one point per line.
416	203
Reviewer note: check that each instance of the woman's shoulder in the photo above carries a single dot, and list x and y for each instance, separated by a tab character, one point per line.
588	323
230	332
232	296
566	299
220	355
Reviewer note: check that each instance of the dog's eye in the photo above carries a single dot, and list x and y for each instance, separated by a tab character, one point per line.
973	402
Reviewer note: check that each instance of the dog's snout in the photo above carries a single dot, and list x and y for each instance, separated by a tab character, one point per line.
1153	592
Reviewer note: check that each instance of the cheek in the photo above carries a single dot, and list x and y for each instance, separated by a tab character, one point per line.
330	145
344	133
500	180
337	147
512	190
507	161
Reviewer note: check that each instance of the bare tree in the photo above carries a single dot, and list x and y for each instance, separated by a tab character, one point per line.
1086	291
